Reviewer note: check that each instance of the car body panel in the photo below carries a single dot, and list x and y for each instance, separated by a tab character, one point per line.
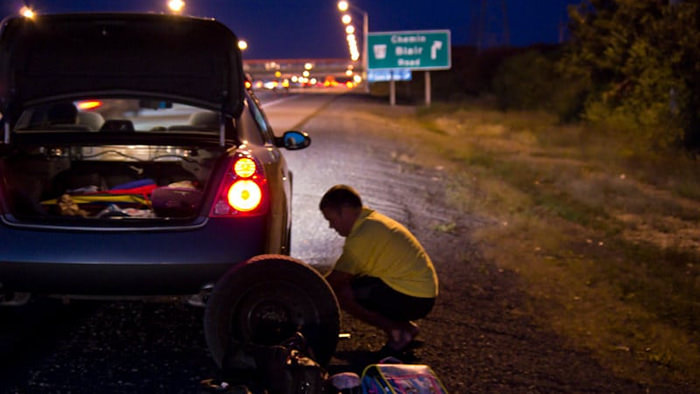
280	177
283	208
107	263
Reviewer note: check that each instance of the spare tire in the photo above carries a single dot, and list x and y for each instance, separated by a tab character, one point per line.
265	300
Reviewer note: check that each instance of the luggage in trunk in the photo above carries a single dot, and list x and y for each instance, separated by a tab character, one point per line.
88	183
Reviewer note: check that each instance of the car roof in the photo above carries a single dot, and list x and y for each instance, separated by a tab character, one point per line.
63	56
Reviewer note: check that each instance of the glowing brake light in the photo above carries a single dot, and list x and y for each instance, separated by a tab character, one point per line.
243	190
88	105
244	196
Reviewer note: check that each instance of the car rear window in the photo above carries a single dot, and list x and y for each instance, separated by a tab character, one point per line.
138	115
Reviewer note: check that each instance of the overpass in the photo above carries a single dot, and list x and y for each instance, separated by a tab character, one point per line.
267	69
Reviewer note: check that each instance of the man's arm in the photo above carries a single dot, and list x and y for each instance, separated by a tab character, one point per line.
341	284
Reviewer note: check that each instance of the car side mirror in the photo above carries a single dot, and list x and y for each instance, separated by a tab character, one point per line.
293	140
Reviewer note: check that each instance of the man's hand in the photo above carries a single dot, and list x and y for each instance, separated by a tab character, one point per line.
341	282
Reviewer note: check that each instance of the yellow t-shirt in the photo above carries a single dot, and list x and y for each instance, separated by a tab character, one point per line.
381	247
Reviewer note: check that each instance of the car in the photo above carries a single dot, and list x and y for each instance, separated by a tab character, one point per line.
135	162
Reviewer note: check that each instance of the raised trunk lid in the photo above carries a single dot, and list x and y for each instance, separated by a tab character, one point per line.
73	55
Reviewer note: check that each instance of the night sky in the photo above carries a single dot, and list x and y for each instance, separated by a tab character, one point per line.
312	28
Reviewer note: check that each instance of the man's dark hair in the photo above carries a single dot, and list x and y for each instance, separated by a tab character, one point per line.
340	195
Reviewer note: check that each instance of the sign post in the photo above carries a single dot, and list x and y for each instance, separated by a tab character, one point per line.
427	90
414	50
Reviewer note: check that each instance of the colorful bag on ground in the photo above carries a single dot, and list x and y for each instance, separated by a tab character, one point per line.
401	379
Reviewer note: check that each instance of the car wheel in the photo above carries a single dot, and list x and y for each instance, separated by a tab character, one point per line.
264	301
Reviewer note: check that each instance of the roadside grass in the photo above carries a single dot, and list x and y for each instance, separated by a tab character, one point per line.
606	238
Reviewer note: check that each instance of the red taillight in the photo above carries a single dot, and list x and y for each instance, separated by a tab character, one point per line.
89	104
244	195
243	190
245	167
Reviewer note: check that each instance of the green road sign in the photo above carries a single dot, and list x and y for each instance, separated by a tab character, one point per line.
415	50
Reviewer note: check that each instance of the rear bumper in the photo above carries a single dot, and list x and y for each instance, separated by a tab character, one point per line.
126	262
110	279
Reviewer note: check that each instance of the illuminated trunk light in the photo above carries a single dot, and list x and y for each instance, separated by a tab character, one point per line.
244	196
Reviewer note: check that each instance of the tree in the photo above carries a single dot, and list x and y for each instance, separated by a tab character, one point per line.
640	64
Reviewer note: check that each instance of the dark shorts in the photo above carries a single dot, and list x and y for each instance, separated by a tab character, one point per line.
375	295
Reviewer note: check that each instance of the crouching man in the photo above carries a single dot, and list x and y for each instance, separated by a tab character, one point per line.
384	276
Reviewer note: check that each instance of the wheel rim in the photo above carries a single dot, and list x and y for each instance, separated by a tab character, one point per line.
271	312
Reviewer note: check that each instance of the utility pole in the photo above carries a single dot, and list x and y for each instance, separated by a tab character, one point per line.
493	27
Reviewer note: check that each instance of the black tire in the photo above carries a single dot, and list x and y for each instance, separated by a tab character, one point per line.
265	301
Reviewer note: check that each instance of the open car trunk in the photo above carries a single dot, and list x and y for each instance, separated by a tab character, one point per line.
107	184
113	118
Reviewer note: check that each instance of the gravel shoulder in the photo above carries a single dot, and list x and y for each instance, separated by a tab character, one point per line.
482	335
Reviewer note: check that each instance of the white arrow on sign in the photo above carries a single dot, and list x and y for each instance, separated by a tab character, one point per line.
433	49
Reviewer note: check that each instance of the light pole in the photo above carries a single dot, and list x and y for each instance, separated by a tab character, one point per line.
344	6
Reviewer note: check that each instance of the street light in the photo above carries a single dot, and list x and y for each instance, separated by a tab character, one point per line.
344	6
242	45
27	12
176	6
